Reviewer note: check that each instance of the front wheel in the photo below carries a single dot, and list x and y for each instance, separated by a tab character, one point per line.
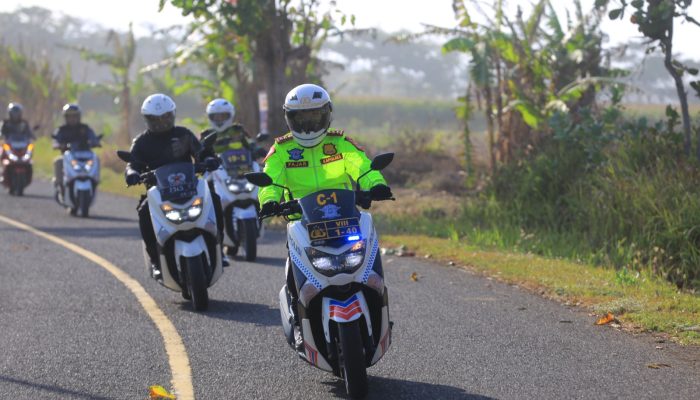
196	283
249	240
352	359
18	185
84	203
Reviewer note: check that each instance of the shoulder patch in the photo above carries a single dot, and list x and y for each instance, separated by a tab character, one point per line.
354	143
284	139
335	132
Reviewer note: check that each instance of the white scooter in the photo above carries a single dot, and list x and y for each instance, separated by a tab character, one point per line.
81	175
239	201
184	222
343	304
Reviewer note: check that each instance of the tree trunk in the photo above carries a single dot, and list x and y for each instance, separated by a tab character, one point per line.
468	148
680	88
490	126
124	137
504	140
247	112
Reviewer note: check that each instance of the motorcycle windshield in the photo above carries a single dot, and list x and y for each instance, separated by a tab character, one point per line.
18	143
331	216
79	146
82	155
176	182
236	162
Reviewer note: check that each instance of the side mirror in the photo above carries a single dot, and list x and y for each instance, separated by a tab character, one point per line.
260	179
100	136
124	156
382	161
261	137
209	140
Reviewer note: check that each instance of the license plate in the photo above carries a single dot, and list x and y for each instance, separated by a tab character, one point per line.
336	229
178	192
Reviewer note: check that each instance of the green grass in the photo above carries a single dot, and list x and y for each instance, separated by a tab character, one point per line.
641	301
110	181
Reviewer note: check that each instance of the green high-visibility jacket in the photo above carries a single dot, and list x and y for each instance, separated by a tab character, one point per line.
335	163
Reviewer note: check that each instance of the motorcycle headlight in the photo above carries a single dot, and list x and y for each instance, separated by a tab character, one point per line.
12	156
76	165
249	187
27	156
195	210
234	188
180	215
330	264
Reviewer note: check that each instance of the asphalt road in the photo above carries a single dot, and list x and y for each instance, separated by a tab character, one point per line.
69	329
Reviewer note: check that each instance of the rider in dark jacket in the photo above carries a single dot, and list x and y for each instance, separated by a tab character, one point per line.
162	143
73	134
15	125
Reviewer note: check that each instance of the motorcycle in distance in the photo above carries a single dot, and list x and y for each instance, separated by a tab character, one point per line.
239	200
184	221
81	175
343	304
17	167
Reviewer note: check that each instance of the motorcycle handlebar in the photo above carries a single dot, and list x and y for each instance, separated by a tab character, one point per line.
286	209
292	207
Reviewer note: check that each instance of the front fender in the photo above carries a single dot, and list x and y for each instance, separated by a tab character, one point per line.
345	311
79	185
190	249
245	213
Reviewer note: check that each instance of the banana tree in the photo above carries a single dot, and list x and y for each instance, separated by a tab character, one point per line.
120	61
33	83
526	72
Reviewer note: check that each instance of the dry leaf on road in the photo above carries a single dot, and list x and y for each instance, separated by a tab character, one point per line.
159	392
606	319
658	366
414	277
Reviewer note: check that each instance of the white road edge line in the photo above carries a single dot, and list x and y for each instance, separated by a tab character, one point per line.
174	347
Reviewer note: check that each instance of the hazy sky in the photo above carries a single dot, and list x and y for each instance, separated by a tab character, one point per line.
390	15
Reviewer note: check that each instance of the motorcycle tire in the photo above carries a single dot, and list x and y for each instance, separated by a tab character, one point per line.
18	185
231	251
248	229
84	203
352	359
197	283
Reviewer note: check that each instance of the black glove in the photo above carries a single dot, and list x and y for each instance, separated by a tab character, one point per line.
269	209
133	178
364	199
381	192
211	163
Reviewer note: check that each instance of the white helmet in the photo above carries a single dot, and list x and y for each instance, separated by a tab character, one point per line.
14	110
307	109
220	113
159	112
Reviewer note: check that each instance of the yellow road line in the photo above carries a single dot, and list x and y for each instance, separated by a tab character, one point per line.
174	347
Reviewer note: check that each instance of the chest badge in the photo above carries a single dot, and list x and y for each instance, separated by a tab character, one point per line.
329	149
296	154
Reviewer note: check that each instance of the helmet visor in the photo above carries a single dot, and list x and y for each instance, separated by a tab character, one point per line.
160	123
309	121
15	113
219	119
72	118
